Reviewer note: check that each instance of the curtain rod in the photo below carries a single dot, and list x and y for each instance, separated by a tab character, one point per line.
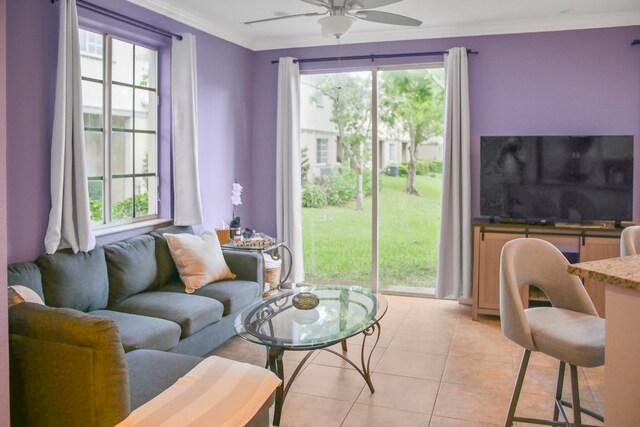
122	18
373	57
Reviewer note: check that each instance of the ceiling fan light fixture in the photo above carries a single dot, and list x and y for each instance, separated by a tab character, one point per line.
336	25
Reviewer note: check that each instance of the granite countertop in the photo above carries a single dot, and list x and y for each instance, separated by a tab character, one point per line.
623	272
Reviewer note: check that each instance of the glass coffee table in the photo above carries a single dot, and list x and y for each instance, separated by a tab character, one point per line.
342	312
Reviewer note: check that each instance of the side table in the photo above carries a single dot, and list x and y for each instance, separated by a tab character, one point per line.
274	252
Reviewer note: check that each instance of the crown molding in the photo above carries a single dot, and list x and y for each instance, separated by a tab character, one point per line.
173	11
462	30
223	31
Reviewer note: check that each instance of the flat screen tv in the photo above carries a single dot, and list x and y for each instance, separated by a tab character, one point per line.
557	178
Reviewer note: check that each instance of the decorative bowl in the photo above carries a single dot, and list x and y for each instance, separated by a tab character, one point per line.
305	301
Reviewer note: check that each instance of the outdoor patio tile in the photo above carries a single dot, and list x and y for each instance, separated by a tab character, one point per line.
403	393
411	364
302	410
422	342
330	382
372	416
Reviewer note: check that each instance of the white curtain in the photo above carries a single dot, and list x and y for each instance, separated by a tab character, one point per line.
288	181
184	113
454	257
70	217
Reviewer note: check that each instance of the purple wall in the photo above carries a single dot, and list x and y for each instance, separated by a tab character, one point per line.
568	82
224	91
4	339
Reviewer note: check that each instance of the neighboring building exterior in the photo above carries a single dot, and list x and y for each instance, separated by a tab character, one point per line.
318	135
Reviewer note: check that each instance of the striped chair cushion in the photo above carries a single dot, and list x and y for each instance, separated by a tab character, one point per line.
217	392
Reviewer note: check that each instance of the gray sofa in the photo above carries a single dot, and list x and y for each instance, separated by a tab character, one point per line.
119	310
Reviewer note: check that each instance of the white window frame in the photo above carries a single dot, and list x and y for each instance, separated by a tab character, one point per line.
107	175
392	151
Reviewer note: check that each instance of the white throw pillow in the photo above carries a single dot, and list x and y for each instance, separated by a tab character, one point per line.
199	259
18	294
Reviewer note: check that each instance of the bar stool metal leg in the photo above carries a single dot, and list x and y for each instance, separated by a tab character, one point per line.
577	416
560	385
518	388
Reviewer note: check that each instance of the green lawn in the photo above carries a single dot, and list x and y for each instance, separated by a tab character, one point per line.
337	239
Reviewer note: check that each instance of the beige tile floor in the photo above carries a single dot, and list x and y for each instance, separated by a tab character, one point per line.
433	366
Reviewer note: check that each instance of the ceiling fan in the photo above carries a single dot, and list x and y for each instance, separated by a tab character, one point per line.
339	15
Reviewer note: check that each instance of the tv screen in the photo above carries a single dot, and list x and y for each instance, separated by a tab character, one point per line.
563	178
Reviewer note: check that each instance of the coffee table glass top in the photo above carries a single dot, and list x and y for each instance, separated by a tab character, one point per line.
343	311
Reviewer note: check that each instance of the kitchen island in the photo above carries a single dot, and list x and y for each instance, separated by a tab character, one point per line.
622	339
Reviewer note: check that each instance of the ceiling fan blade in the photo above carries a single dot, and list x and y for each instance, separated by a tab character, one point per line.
368	4
387	18
277	18
322	3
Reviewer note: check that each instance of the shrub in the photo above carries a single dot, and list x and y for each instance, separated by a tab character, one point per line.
425	167
422	167
435	166
335	189
404	169
313	196
340	187
122	209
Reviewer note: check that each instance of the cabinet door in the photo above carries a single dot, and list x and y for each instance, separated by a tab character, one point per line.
596	248
489	269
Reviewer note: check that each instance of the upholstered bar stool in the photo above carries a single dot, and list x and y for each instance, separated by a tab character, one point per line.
569	331
630	241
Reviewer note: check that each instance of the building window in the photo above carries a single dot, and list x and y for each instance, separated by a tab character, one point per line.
322	151
392	152
91	44
119	91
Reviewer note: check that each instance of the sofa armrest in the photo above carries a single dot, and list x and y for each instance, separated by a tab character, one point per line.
245	265
67	368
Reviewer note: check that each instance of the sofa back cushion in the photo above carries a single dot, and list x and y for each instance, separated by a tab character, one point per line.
67	368
25	274
167	270
77	281
132	267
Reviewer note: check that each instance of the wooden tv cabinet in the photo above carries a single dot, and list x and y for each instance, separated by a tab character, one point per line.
579	244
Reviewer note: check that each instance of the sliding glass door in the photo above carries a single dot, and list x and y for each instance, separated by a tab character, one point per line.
336	124
410	138
361	132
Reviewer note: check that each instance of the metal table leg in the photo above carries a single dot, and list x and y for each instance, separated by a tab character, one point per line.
276	366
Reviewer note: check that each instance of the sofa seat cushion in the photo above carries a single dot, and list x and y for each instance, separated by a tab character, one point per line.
233	294
191	312
143	332
152	372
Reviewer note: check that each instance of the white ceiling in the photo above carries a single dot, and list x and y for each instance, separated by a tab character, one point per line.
441	18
